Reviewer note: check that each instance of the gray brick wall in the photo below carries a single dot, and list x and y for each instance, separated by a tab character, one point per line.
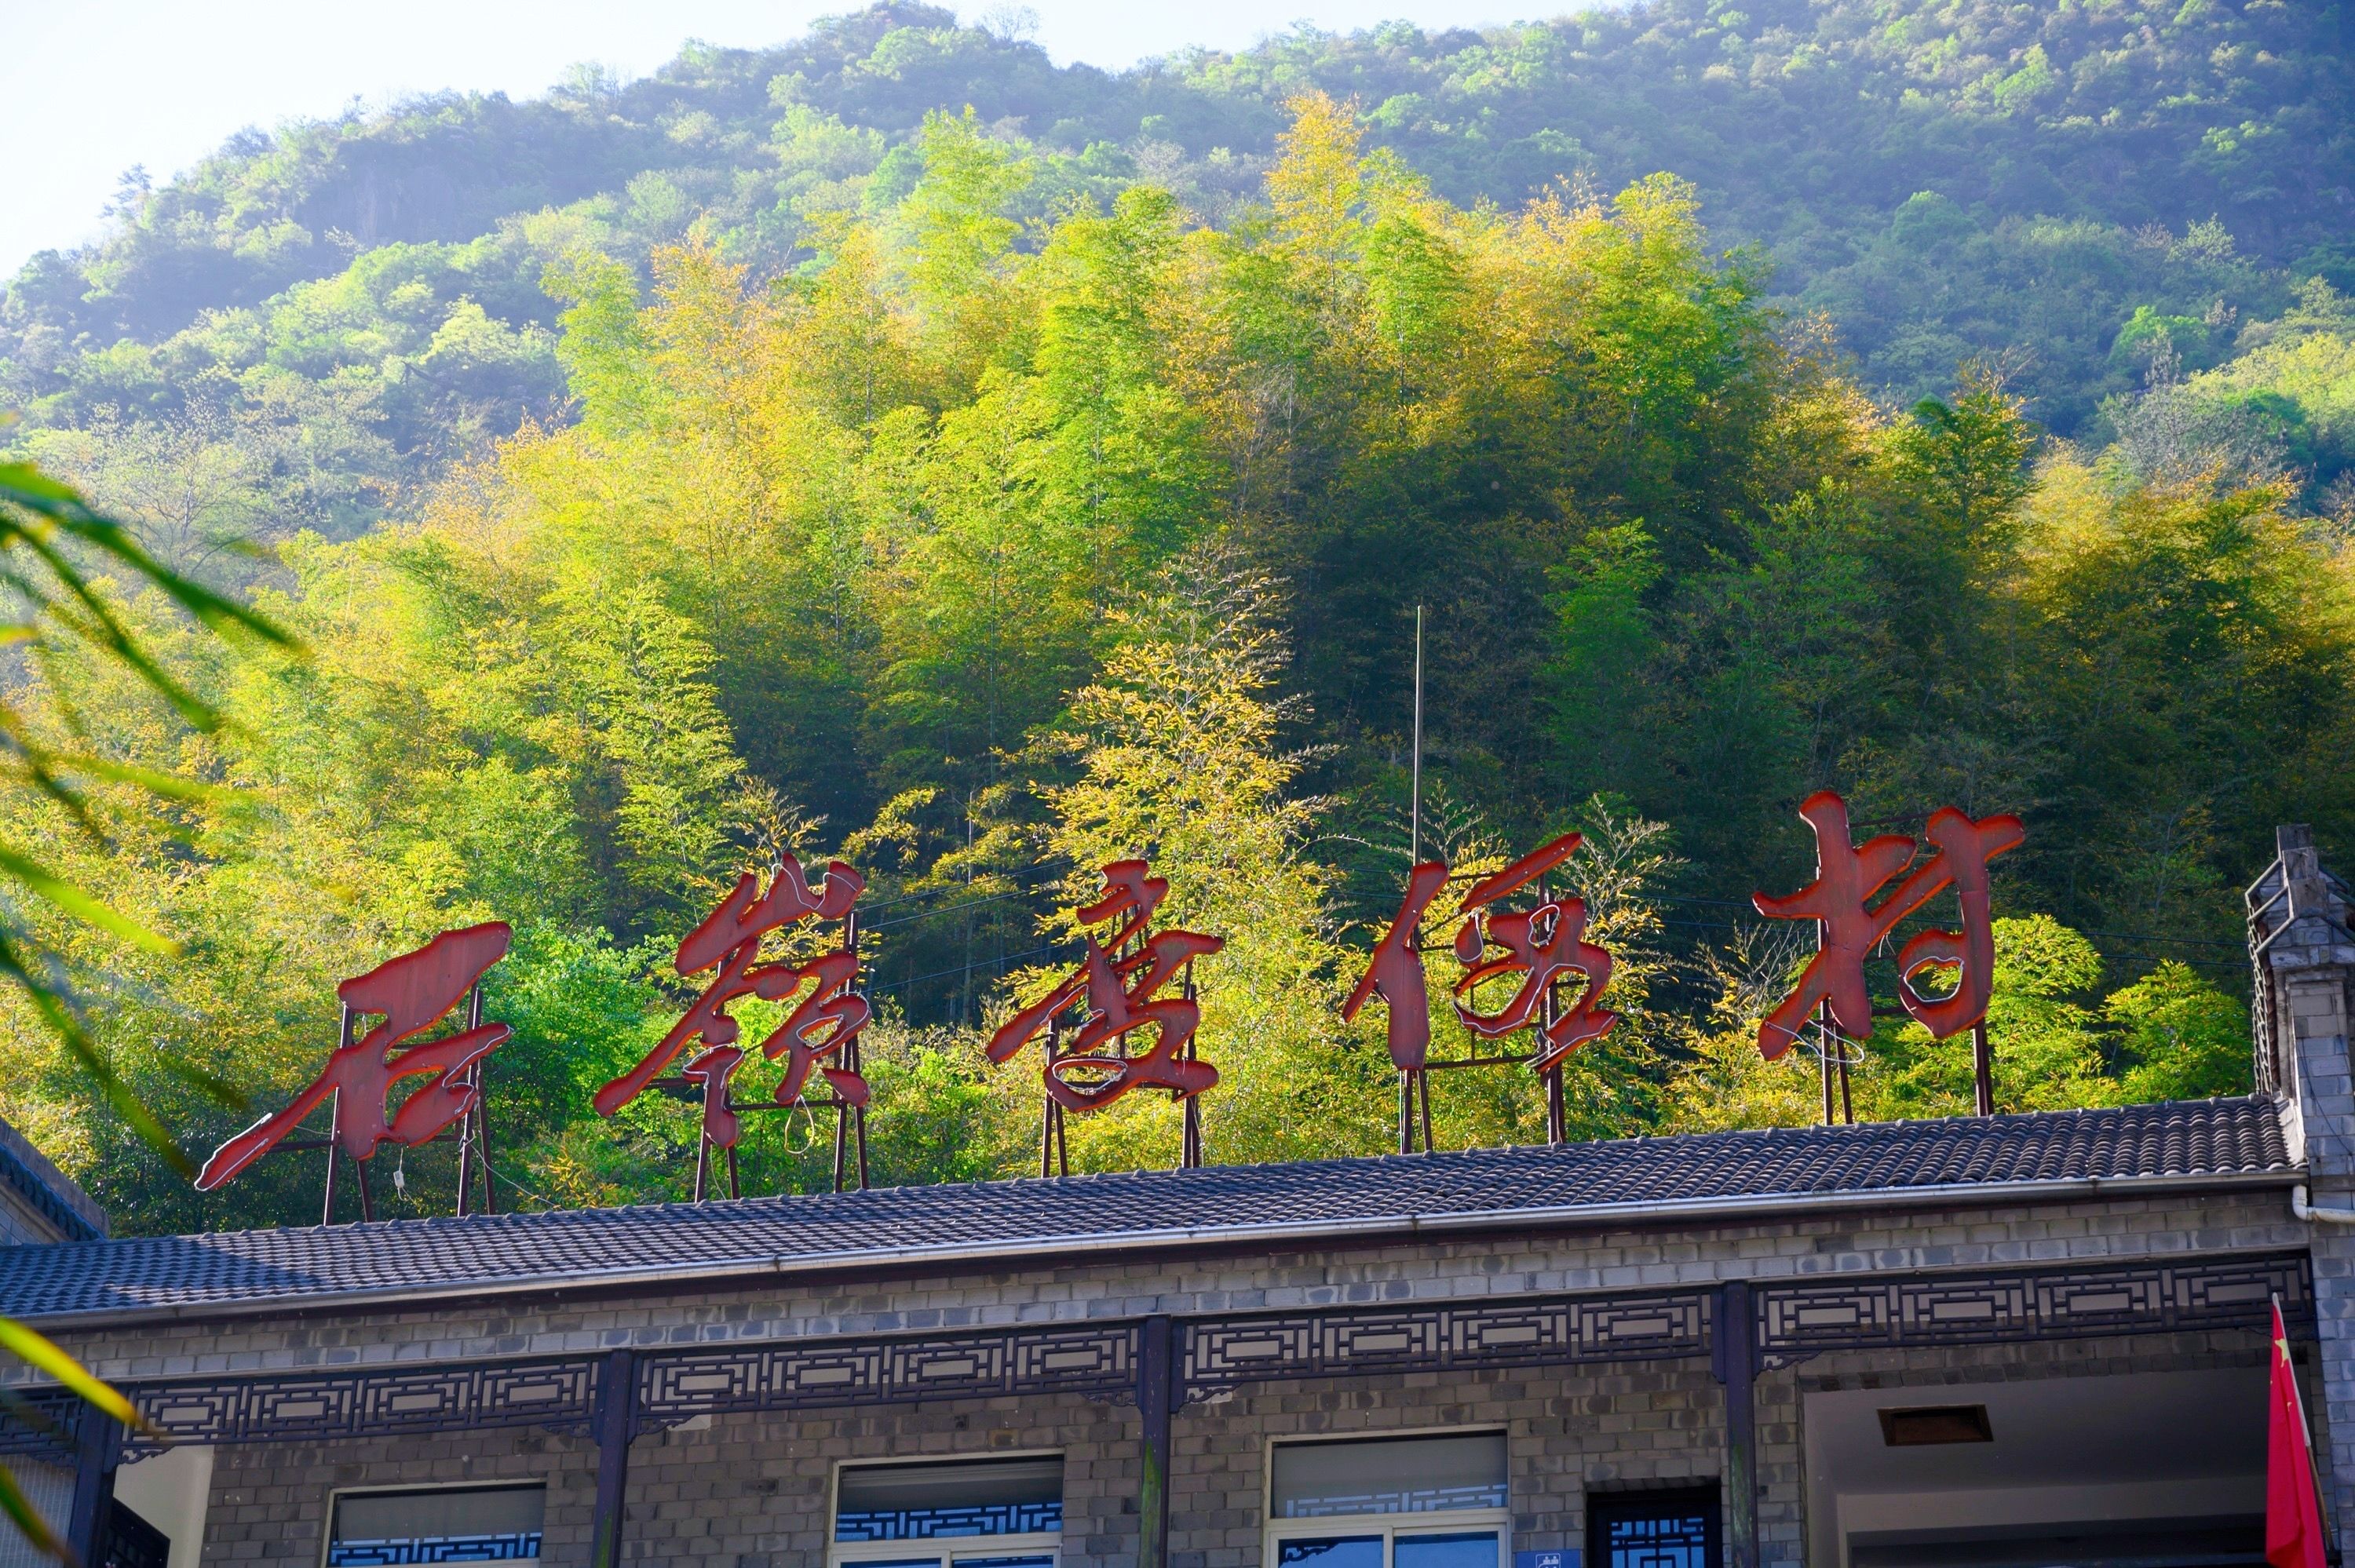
2310	960
2314	1009
1991	1237
270	1500
1565	1432
753	1491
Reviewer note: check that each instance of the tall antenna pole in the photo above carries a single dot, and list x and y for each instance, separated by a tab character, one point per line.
1414	795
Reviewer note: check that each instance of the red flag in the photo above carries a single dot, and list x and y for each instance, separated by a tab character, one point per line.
2293	1517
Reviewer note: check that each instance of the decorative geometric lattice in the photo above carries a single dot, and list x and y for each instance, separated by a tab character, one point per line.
510	1547
931	1524
367	1403
40	1423
1667	1538
1799	1320
1098	1360
1222	1352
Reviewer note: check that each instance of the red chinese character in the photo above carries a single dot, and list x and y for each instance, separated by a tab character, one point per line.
1395	972
1963	848
730	938
1095	1068
1543	943
1846	879
413	993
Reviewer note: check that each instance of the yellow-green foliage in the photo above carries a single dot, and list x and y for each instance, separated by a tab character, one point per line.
985	548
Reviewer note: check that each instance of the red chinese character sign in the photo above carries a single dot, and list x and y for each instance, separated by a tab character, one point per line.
1122	1034
819	1036
1831	990
410	994
1544	946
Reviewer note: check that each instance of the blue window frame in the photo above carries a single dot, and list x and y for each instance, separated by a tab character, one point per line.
437	1524
971	1514
1435	1500
1667	1529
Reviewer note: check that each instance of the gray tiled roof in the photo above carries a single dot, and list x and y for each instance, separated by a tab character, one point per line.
986	1224
48	1192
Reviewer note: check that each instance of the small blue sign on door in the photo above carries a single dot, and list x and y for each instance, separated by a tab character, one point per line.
1567	1558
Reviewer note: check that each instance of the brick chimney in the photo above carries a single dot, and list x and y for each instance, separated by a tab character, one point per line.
2302	942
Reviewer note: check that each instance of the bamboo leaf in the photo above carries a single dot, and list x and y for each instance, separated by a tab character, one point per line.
37	879
44	1355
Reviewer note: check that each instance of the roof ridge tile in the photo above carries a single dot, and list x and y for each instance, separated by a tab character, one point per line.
300	1264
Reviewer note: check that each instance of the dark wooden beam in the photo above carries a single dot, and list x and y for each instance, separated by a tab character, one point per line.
98	1447
1734	1356
1156	1382
617	1421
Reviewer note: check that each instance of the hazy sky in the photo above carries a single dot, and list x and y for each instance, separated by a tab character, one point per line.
89	88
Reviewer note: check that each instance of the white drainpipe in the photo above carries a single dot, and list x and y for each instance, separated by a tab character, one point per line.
2305	1210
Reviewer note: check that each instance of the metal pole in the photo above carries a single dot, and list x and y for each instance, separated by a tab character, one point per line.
702	1159
483	1135
1406	1111
335	1123
849	1052
1422	1096
1847	1106
1734	1356
1046	1104
1557	1114
617	1420
1827	1043
335	1149
1414	789
98	1448
1983	1067
1189	1147
466	1122
334	1145
465	1159
1156	1396
841	1131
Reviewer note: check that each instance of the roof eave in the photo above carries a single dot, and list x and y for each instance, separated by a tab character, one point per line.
959	1257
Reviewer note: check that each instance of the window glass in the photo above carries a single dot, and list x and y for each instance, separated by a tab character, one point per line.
1660	1542
970	1497
1464	1549
439	1524
1388	1475
1331	1552
1671	1530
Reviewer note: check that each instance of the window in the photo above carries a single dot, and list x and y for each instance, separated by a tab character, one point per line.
437	1524
132	1542
1432	1501
964	1513
1676	1528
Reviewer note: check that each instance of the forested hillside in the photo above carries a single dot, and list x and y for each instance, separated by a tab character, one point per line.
892	446
308	323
